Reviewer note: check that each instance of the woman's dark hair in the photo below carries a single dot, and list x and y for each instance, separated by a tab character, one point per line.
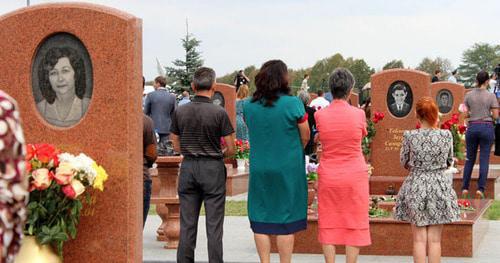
48	63
341	82
271	81
481	77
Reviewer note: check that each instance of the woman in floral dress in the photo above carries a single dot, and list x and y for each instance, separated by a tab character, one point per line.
427	199
13	182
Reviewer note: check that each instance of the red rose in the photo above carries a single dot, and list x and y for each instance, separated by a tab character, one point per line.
418	126
69	191
47	152
462	129
30	151
454	118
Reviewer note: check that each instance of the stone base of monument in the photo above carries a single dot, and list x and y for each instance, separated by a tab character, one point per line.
237	181
379	185
394	238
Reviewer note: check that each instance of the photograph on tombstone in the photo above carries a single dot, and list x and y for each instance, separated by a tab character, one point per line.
399	99
218	99
444	100
62	79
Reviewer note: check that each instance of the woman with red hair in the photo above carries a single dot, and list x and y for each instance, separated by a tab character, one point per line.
427	199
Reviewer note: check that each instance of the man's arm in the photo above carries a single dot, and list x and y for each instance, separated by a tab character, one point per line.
176	142
230	145
147	105
304	133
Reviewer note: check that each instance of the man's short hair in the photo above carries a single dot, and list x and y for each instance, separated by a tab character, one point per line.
399	87
320	93
203	78
437	71
445	94
161	80
454	72
185	93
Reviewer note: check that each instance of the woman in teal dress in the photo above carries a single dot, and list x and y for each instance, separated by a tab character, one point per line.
278	132
241	127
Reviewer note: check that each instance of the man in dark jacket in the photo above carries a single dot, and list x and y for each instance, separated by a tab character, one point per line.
160	105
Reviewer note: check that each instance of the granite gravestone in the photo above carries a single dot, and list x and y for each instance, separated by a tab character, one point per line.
225	96
448	97
395	93
108	43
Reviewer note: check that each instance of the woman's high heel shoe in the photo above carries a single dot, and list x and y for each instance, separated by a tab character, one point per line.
479	195
465	194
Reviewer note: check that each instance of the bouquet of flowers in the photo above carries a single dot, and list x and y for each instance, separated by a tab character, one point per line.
458	132
370	127
242	149
56	183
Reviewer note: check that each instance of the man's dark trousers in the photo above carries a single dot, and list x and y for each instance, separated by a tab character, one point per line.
201	180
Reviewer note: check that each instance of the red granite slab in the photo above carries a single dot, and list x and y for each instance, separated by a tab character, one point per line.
391	237
111	130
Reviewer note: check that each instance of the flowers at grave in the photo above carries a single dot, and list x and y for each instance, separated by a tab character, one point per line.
312	172
465	204
370	127
242	149
57	183
458	132
462	108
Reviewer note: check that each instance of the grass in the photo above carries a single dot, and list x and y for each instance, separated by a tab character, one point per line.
493	212
233	208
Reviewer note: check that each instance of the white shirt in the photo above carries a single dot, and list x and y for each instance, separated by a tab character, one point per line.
452	79
493	83
319	103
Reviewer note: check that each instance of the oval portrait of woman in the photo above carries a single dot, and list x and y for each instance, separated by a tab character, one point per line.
399	99
62	80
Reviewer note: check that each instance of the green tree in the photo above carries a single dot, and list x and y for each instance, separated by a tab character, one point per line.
481	56
430	65
183	70
395	63
321	71
360	70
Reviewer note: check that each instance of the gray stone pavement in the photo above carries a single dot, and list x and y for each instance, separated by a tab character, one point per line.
239	246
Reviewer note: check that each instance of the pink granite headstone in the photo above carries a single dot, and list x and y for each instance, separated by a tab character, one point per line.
394	93
109	129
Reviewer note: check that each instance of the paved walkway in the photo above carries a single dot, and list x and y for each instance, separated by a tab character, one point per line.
239	246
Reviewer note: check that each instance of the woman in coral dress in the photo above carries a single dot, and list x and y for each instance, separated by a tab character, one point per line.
343	194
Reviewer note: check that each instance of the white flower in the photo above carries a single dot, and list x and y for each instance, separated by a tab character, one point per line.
84	164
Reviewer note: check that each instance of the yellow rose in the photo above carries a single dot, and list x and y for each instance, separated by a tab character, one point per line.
101	177
77	187
64	173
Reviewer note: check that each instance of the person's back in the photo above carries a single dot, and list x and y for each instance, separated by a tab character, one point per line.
479	103
160	104
426	147
198	127
341	136
196	131
320	102
273	126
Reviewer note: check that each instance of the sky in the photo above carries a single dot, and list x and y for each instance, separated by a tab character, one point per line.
236	34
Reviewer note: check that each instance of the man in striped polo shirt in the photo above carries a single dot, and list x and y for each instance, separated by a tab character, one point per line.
195	132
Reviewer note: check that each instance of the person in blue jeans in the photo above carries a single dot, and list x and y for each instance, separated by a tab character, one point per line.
482	113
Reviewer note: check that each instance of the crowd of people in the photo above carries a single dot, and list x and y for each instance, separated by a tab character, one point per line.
282	129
